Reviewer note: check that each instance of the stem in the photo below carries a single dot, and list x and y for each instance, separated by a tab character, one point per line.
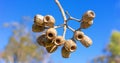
61	9
59	26
72	18
64	16
70	28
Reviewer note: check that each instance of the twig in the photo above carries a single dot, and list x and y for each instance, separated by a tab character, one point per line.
71	18
61	9
71	28
59	26
64	16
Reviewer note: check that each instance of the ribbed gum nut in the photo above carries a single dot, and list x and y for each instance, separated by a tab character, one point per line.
41	40
88	16
70	45
78	35
49	20
51	49
59	40
51	33
65	53
86	41
36	28
85	25
48	43
38	20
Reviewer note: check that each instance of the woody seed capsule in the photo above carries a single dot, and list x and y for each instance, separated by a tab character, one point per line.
70	45
78	35
85	25
51	33
86	41
88	16
65	53
49	20
36	28
43	41
59	40
51	49
38	20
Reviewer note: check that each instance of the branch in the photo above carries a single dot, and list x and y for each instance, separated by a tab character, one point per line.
59	26
61	9
71	18
64	16
70	28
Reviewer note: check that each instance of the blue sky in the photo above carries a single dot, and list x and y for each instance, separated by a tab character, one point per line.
107	19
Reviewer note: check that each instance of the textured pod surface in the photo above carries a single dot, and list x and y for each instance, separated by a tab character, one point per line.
78	35
51	33
65	53
86	41
48	43
59	40
51	49
70	45
88	16
38	20
85	25
49	20
41	40
36	28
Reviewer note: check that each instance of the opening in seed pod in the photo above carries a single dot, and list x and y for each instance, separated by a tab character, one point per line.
47	18
58	41
80	36
73	47
50	35
92	14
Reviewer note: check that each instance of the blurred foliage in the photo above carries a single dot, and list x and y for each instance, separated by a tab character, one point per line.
112	52
22	47
114	46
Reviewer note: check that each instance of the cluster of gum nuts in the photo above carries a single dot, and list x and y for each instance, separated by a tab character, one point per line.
50	39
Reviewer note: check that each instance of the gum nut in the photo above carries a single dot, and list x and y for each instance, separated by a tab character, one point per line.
38	20
86	41
65	53
51	49
49	20
59	40
48	43
41	40
70	45
85	25
88	16
78	35
51	33
36	28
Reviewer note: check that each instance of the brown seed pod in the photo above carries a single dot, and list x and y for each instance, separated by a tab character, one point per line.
70	45
51	33
36	28
88	16
49	20
43	41
48	43
86	41
78	35
59	40
38	20
51	49
65	53
85	25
